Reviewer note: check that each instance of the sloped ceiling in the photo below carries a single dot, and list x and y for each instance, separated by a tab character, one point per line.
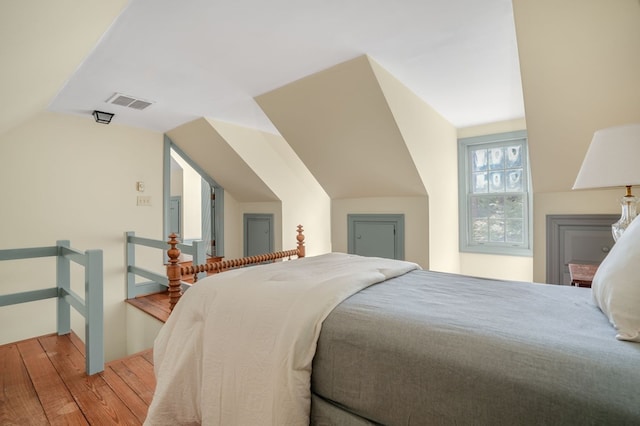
202	143
42	43
580	63
211	59
206	58
340	125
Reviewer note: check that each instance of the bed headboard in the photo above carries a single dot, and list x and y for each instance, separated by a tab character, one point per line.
175	272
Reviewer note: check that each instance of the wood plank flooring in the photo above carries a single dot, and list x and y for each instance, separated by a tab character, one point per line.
157	305
43	382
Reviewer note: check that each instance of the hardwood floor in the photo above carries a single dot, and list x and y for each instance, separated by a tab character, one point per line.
156	305
42	382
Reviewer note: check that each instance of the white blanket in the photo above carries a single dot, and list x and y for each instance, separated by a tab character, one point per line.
237	349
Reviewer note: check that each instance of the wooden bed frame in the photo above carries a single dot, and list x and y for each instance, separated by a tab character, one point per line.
175	272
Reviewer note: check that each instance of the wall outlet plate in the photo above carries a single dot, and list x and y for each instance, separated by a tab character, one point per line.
144	200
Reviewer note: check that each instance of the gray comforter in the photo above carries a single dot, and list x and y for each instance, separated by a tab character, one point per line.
438	349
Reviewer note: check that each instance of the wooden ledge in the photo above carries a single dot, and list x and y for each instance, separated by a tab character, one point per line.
155	304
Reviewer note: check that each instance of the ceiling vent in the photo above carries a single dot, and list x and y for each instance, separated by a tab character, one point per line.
128	101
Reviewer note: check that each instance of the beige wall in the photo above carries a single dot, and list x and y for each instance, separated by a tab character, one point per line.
431	141
416	222
376	148
303	201
67	177
580	62
260	174
339	124
232	226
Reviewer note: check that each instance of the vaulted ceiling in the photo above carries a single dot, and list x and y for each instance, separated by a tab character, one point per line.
200	58
211	59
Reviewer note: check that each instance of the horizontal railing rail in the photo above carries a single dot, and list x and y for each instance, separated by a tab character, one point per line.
90	307
156	282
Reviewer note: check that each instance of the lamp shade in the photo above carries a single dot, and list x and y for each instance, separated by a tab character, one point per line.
613	159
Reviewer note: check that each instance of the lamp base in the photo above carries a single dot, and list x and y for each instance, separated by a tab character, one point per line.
629	203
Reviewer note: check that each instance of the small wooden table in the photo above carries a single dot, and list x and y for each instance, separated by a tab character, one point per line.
582	274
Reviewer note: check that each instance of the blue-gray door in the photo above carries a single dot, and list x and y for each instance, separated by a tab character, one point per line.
258	234
376	235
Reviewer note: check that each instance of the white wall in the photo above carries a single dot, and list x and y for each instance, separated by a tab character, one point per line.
67	177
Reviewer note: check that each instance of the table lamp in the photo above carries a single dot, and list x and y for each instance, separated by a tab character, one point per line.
613	159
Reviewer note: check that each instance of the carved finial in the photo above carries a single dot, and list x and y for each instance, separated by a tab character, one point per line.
300	238
173	252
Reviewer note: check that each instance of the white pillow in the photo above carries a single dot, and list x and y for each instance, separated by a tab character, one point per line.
616	284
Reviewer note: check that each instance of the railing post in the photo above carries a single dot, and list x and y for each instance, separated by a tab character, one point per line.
199	258
130	253
63	281
173	272
94	316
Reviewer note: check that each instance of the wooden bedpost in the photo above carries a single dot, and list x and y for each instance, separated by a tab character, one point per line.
173	272
300	238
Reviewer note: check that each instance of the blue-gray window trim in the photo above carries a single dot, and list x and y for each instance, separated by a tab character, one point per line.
463	193
166	181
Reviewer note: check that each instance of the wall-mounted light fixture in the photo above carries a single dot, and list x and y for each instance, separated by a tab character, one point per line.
102	117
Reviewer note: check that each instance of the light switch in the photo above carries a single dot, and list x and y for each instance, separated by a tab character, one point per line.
144	200
140	186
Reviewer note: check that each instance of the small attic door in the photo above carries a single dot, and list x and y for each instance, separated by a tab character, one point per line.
376	235
258	234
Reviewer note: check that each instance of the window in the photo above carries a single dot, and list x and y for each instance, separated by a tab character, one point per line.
495	201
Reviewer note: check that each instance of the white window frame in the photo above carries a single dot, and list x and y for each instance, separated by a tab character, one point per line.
465	145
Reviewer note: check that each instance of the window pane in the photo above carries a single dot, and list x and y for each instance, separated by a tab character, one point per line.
515	230
497	219
496	182
514	180
496	230
480	183
496	158
514	207
479	160
514	156
496	207
487	207
480	207
480	231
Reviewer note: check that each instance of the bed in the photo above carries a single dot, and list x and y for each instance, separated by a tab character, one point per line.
338	339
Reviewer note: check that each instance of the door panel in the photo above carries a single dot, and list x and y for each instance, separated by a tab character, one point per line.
375	239
376	235
576	239
258	231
